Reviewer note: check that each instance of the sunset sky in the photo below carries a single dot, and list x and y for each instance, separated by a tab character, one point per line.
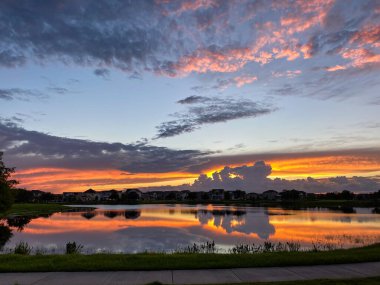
199	94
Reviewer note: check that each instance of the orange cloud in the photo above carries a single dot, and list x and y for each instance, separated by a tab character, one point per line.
225	61
290	54
287	73
195	5
288	165
318	166
245	79
60	179
369	35
335	68
308	15
361	57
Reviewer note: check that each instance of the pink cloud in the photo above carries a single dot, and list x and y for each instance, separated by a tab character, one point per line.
289	53
203	61
335	68
245	79
229	60
307	15
287	73
369	35
192	5
361	57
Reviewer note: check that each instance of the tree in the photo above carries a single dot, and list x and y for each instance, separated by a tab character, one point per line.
6	185
5	235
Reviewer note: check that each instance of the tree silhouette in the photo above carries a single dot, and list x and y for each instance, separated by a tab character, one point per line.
5	235
6	185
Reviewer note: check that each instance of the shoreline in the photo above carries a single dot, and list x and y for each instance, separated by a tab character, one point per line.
181	261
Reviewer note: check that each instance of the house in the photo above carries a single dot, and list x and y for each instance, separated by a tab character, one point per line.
132	194
292	195
70	196
37	194
238	195
216	194
170	195
270	195
183	195
153	195
90	194
252	196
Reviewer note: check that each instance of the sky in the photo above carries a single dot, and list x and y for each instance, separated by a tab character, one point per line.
198	94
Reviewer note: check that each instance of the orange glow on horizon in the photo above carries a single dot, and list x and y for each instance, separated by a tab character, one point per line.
316	167
59	180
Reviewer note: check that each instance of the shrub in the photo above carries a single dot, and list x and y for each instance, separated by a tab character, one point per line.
73	248
23	248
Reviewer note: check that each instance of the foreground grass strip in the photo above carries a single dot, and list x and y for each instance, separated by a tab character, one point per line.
114	262
358	281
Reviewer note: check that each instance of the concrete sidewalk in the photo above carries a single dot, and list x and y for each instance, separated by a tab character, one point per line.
206	276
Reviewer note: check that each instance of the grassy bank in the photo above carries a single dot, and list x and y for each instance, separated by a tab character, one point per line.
356	281
34	209
114	262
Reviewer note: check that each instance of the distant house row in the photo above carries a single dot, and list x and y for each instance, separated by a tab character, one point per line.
135	194
184	195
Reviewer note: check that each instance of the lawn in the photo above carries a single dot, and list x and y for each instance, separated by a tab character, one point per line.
145	261
357	281
34	209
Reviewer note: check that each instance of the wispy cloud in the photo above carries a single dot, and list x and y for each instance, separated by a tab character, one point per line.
206	110
102	72
20	94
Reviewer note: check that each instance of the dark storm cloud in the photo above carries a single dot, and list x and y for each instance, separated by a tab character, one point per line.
102	72
20	94
205	110
80	32
34	149
10	59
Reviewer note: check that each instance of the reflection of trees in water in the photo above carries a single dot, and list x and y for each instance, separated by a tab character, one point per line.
132	214
88	215
238	221
19	222
5	235
111	214
237	213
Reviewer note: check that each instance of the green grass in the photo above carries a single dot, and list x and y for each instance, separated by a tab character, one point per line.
115	262
34	209
356	281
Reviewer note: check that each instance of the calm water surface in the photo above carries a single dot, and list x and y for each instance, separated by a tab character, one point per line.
137	228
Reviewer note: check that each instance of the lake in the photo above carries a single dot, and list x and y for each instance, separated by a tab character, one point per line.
164	228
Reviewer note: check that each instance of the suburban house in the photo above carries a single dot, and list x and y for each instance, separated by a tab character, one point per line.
217	194
252	196
234	195
132	194
270	195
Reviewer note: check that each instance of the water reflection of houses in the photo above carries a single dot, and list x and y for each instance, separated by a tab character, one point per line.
129	214
238	221
88	215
